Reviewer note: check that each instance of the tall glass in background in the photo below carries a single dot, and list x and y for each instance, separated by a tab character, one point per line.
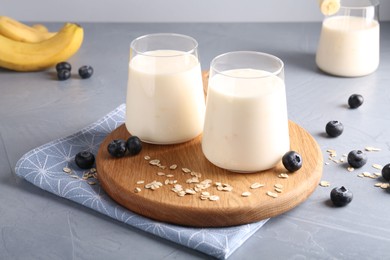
165	100
246	124
349	41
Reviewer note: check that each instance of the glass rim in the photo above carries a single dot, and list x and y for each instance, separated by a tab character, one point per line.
273	73
370	4
142	37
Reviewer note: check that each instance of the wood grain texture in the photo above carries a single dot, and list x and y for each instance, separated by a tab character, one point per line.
118	177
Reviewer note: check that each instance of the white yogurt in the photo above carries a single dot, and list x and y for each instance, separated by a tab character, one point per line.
348	46
246	125
165	101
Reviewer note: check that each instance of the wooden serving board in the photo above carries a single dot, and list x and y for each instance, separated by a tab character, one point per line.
119	177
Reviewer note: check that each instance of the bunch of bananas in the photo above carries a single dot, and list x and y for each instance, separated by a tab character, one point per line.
32	48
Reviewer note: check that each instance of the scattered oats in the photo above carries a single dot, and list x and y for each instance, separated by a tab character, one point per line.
91	182
327	163
350	169
278	186
372	149
245	194
67	170
204	195
230	188
342	160
178	187
147	157
373	176
173	182
173	166
160	174
332	152
74	176
224	187
385	185
377	166
140	182
154	162
272	194
378	174
324	183
162	166
214	198
278	190
283	175
181	193
366	174
170	175
217	184
93	170
166	182
185	170
190	191
153	185
334	160
360	175
137	190
256	185
378	184
196	174
192	180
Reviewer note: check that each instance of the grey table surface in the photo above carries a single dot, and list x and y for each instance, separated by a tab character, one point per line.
35	108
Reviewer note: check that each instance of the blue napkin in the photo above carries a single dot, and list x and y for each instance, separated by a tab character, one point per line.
43	167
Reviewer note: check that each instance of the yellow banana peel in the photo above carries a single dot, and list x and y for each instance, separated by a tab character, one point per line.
18	31
23	56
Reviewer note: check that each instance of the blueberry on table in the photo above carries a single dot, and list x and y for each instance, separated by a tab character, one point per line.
63	66
63	75
357	158
386	172
84	160
117	148
292	161
85	71
341	196
334	128
134	145
355	101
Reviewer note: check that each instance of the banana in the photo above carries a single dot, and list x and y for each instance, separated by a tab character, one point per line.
21	32
22	56
329	7
40	27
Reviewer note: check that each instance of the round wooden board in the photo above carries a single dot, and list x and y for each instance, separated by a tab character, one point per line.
119	177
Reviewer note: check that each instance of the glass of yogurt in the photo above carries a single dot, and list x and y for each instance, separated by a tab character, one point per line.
165	100
246	124
349	40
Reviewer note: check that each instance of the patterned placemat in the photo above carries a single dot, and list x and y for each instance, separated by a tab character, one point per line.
43	167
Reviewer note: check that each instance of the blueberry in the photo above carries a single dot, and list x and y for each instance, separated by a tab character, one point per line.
84	160
63	75
355	101
63	66
134	145
386	172
357	158
292	161
341	196
117	148
334	128
85	71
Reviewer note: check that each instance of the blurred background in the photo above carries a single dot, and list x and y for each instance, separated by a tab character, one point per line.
168	10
